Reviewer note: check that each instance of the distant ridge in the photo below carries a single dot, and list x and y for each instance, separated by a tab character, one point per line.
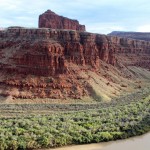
134	35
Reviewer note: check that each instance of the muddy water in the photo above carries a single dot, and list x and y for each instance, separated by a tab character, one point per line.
136	143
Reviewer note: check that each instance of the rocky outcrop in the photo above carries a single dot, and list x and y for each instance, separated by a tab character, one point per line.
133	35
47	62
51	20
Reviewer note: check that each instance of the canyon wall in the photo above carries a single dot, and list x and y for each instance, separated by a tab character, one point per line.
47	62
51	20
48	51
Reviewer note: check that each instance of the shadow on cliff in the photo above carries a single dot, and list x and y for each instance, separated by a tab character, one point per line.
93	93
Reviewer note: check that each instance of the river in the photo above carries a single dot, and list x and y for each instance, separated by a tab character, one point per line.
136	143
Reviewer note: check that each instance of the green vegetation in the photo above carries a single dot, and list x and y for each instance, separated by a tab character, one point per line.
55	129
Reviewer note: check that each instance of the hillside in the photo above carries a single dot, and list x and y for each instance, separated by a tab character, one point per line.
65	64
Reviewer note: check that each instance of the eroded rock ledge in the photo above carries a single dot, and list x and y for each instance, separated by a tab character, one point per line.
48	51
48	62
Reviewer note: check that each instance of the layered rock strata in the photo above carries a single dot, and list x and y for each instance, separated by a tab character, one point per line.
51	20
47	62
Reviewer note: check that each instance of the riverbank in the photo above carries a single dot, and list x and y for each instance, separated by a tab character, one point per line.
134	143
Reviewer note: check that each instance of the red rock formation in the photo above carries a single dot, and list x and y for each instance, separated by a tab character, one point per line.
47	62
51	20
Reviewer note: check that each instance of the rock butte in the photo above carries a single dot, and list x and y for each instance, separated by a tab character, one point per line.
51	20
62	64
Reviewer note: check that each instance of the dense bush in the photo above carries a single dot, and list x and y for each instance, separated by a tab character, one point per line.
59	129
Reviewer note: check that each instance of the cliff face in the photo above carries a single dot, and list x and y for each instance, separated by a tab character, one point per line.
133	35
49	63
51	20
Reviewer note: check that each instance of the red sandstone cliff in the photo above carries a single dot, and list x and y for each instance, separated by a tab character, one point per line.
51	20
56	63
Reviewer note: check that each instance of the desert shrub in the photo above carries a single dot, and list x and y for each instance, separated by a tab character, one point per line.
44	141
75	127
3	143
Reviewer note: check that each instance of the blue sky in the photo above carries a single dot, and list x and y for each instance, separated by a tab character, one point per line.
99	16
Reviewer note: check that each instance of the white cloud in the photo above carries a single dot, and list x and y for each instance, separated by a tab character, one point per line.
9	4
143	28
104	28
6	22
